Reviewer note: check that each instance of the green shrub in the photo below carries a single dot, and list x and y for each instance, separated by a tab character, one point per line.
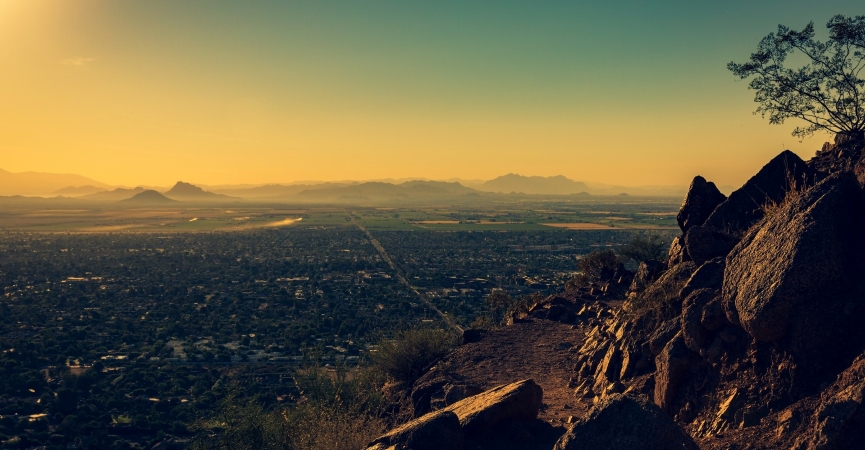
644	248
405	357
339	411
599	265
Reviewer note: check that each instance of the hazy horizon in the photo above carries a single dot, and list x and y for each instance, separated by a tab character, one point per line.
219	93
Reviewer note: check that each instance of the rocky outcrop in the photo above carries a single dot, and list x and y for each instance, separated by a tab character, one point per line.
519	401
705	243
792	278
744	207
435	431
758	311
625	422
702	198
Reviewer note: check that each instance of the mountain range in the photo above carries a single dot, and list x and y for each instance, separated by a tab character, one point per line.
70	185
40	183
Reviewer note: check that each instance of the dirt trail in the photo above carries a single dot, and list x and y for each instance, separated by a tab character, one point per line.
539	349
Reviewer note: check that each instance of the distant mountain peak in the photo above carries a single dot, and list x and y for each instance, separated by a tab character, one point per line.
148	196
189	191
554	185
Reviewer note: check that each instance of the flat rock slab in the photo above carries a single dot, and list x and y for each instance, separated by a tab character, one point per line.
518	401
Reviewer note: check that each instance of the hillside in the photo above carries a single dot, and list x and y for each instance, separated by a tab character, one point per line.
39	183
747	336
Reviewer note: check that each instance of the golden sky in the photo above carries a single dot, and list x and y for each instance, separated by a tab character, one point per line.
218	92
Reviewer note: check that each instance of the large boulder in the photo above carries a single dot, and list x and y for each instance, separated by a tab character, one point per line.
435	431
625	422
745	205
705	243
793	277
519	401
700	201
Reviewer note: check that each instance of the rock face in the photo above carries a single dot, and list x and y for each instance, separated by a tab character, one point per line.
518	401
705	243
436	431
677	253
624	422
672	364
694	333
834	421
744	206
708	276
791	278
702	198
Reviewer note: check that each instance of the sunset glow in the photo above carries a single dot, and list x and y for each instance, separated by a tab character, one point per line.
220	92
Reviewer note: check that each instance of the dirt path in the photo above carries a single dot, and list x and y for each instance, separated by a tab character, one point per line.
539	349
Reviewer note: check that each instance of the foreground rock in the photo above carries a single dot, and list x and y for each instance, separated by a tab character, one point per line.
436	431
792	278
624	422
519	401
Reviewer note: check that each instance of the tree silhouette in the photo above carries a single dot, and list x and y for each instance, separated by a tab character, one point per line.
827	92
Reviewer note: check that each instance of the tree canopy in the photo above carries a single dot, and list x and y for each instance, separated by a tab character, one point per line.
827	92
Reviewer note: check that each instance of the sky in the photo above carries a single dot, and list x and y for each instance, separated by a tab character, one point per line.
222	92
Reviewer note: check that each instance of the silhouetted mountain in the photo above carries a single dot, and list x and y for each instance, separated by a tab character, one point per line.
191	192
39	183
149	197
115	195
557	185
78	191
